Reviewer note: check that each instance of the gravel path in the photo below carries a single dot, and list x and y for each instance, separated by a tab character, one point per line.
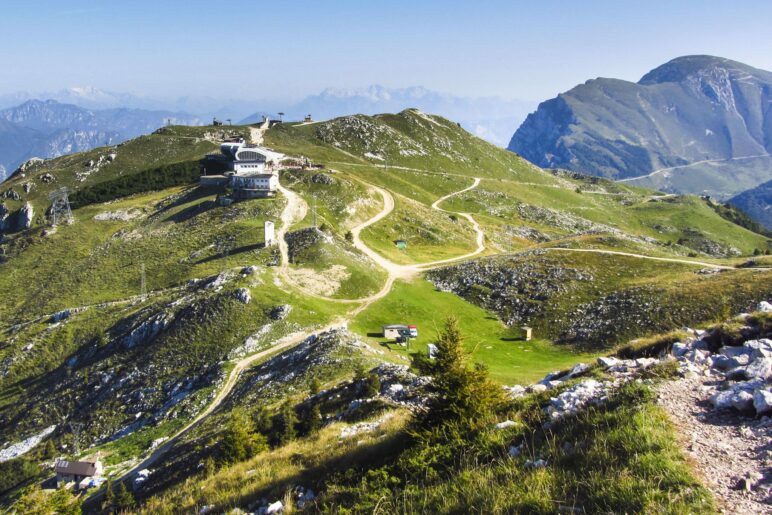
725	447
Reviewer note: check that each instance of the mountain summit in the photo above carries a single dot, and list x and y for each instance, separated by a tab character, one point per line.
697	124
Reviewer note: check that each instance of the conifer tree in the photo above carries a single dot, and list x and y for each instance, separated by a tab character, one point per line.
463	397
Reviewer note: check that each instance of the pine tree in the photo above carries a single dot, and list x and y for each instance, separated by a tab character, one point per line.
464	397
109	501
240	441
284	424
124	500
49	451
315	386
371	386
312	419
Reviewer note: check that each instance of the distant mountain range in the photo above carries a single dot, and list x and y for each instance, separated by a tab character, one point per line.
79	118
48	129
697	124
490	118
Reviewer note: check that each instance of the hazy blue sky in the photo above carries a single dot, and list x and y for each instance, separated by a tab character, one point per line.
285	49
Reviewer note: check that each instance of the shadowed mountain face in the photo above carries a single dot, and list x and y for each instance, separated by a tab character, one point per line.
702	123
49	129
757	203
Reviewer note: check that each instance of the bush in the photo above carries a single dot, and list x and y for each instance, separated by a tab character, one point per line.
368	384
349	236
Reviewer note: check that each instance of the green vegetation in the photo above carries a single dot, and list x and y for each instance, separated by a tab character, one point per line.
157	179
617	457
737	216
509	359
129	320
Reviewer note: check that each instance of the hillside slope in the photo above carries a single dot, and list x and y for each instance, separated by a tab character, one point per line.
702	123
150	327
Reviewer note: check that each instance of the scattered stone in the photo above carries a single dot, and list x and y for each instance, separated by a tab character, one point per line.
280	312
47	178
608	361
759	368
506	424
759	348
579	369
764	307
243	295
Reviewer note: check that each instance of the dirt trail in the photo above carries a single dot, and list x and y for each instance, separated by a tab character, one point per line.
680	167
283	343
652	258
724	447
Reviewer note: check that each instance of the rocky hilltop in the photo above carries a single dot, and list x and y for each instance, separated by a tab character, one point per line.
701	121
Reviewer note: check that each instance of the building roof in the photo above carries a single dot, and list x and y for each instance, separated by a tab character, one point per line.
76	468
395	326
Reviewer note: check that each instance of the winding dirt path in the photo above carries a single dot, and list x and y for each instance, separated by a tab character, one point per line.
654	258
295	210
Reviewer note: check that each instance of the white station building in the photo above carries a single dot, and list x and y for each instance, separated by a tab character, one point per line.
242	166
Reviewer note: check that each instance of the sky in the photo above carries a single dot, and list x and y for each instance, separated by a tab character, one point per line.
256	49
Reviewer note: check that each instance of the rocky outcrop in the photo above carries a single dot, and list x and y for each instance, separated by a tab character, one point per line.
516	290
25	217
4	215
243	295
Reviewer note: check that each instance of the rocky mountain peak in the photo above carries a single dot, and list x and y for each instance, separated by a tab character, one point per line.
691	67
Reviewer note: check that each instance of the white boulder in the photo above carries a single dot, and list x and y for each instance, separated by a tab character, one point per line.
506	424
759	368
608	361
762	401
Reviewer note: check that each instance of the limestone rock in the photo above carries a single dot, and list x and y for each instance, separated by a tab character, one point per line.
759	348
608	361
759	368
26	213
243	295
762	401
280	312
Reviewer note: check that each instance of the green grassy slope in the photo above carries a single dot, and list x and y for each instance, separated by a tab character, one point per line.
128	392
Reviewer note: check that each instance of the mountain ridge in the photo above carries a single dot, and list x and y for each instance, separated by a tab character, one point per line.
702	112
47	129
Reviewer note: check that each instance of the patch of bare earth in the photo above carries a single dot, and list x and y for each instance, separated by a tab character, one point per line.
732	452
324	282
